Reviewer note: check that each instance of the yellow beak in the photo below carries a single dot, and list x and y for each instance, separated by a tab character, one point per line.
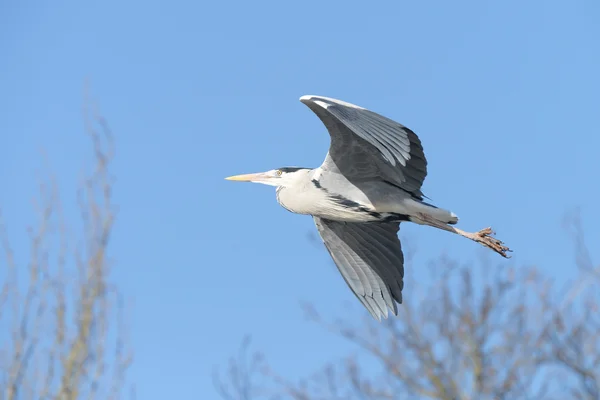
247	177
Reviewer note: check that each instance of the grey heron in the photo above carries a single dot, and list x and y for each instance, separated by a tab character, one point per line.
368	184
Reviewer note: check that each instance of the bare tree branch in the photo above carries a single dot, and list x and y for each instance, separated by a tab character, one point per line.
472	333
67	336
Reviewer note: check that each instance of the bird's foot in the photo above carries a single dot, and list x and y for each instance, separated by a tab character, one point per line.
484	237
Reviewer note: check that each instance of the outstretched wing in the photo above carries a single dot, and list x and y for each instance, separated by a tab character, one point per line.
369	257
366	145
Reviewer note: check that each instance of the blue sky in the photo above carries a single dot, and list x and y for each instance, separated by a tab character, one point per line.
505	97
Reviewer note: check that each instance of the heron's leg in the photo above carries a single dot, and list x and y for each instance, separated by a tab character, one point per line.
483	236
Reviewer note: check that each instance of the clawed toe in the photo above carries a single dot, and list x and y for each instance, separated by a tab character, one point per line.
486	232
483	237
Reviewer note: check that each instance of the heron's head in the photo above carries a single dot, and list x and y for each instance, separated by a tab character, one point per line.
276	177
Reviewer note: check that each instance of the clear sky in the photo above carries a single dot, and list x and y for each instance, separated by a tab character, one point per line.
504	95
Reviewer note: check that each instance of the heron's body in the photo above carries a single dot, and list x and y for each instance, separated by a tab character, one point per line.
330	195
368	184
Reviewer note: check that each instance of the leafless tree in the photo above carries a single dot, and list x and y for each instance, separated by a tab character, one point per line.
243	372
475	332
63	334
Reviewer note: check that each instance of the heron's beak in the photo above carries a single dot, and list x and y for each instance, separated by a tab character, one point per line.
258	177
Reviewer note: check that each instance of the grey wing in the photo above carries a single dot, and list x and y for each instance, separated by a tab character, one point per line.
366	145
369	257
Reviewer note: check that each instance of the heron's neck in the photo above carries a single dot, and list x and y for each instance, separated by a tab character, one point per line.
294	194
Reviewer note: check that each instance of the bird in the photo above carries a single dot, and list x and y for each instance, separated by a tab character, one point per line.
369	183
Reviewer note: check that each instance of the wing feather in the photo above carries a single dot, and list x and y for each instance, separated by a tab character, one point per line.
369	258
379	293
393	276
367	145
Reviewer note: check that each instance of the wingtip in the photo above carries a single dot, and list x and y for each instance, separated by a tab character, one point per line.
307	98
326	101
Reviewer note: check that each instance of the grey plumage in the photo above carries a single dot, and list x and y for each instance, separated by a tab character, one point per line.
367	145
369	257
369	182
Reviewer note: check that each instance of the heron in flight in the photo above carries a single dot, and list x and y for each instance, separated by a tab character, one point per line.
368	184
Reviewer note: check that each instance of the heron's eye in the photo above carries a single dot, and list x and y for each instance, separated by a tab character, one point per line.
278	172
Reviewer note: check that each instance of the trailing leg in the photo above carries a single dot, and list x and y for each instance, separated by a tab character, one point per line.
483	236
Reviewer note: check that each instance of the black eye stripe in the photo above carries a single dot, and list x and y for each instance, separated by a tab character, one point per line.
289	169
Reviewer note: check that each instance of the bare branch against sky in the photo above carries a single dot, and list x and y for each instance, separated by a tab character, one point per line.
481	332
66	337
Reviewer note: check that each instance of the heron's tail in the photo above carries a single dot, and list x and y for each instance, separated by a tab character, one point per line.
442	215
